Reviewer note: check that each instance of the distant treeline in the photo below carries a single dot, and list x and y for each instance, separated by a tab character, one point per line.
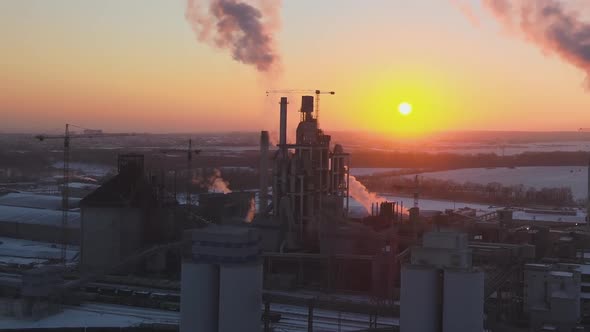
491	193
444	161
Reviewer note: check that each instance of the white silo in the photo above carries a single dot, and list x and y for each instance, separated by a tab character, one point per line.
199	287
440	289
221	280
463	300
241	305
420	299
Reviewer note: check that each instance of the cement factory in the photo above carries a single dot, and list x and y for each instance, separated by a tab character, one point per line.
131	255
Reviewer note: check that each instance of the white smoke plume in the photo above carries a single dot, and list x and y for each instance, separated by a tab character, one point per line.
216	184
361	194
244	27
465	8
554	26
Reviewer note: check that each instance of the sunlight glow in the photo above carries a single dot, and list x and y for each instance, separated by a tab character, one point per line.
405	108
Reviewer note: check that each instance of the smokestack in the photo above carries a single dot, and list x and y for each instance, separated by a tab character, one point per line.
588	199
283	123
263	195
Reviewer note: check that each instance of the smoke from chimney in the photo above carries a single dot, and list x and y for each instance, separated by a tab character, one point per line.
361	194
216	184
465	8
244	27
549	25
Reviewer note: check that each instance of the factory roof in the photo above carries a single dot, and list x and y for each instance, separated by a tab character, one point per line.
585	269
561	274
23	215
24	252
38	201
122	190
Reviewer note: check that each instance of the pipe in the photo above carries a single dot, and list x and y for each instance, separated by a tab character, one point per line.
588	199
283	124
263	195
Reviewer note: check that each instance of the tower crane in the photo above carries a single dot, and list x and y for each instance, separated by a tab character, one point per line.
67	137
317	97
189	165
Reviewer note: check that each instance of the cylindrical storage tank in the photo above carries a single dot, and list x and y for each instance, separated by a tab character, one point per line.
463	301
241	295
199	297
420	303
307	107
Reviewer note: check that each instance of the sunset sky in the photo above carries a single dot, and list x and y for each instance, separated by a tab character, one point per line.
136	65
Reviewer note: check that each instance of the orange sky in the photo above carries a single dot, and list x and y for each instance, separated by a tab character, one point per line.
136	66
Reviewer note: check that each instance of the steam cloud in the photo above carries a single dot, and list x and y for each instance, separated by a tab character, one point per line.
361	194
214	183
217	184
465	8
548	24
244	27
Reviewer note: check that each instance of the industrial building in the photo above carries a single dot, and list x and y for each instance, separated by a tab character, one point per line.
220	261
440	289
129	210
287	257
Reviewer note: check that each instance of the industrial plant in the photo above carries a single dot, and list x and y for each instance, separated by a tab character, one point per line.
140	252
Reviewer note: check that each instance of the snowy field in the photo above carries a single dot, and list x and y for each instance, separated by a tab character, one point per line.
293	318
363	171
574	177
484	148
357	210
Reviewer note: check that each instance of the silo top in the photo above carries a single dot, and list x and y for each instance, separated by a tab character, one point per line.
225	245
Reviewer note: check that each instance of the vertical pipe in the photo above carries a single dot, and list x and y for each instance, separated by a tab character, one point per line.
65	201
283	161
310	316
263	195
189	180
283	124
588	199
347	186
266	316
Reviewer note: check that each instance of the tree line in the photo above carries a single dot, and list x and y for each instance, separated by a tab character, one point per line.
491	193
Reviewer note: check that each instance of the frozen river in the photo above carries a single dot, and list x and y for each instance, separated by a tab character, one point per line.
574	177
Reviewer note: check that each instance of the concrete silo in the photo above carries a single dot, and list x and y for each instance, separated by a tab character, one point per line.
221	286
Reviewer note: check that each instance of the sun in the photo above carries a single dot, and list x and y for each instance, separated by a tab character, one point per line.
404	108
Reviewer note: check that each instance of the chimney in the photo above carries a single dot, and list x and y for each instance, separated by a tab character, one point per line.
588	198
283	124
263	195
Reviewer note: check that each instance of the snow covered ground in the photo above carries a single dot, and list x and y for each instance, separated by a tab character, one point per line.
293	318
357	210
96	315
574	177
24	252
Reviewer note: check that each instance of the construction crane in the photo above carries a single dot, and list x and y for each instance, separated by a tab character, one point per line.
317	97
416	190
189	166
67	137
